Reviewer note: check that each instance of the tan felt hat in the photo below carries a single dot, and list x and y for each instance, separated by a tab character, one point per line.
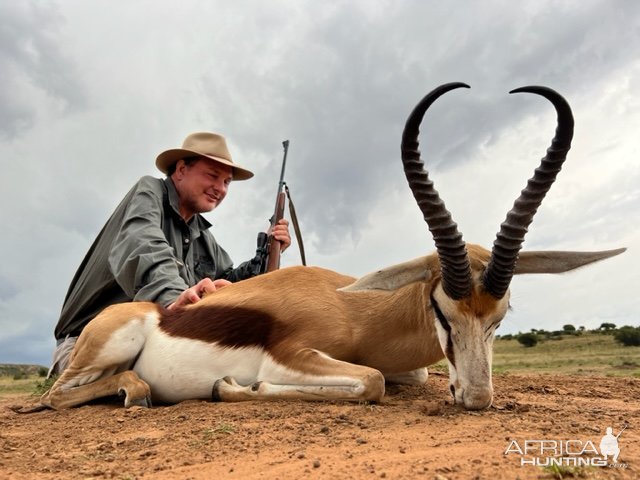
205	144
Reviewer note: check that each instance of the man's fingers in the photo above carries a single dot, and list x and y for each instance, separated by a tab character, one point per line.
204	286
221	282
207	289
281	233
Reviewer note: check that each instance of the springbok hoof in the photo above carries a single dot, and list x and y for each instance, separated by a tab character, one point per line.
219	385
139	402
134	402
22	410
215	391
256	386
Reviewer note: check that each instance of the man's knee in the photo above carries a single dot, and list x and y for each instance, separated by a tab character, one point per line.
62	356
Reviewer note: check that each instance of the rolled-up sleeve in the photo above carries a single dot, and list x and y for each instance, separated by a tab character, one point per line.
141	259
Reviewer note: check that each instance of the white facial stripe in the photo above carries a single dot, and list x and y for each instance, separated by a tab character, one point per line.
468	342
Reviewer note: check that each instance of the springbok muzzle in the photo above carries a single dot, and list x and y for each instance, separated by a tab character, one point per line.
475	397
470	378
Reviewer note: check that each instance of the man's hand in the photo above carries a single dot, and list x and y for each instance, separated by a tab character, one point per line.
281	233
195	293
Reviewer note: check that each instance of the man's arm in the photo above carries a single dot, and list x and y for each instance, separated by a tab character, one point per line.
247	269
141	259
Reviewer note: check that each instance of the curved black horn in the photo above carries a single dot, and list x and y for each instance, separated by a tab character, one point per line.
454	261
509	239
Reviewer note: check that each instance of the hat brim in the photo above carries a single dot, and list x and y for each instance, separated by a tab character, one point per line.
170	157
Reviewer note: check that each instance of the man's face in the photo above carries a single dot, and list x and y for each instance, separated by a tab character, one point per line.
201	186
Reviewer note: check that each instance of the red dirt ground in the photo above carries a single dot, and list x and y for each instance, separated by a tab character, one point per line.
416	432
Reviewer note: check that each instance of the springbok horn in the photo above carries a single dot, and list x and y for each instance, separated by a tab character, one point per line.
509	239
454	261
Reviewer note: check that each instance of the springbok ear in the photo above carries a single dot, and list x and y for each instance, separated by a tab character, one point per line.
559	262
392	278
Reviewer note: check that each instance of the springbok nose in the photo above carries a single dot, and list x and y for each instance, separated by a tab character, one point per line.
477	398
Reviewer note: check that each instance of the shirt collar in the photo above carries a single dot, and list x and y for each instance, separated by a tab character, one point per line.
198	222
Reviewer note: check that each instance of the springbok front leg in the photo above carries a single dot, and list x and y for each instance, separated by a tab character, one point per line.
418	376
135	391
308	375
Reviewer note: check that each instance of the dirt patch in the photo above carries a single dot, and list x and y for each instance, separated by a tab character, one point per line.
416	432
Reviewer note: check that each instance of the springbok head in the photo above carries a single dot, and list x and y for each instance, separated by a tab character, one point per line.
468	286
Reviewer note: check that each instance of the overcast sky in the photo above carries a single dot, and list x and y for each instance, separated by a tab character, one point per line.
92	91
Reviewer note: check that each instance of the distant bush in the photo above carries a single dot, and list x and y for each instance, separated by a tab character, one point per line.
568	328
42	372
607	327
508	336
628	336
528	339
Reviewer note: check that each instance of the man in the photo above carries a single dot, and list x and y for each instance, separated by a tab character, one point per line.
156	246
609	445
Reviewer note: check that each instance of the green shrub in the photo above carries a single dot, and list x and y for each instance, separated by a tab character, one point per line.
628	336
528	339
607	327
40	388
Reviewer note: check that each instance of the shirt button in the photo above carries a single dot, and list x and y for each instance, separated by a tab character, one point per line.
186	240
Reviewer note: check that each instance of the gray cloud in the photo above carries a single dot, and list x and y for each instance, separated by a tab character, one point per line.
33	65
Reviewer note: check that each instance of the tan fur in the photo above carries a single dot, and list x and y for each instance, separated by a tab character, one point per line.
90	344
346	326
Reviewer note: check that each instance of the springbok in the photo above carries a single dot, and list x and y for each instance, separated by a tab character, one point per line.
314	334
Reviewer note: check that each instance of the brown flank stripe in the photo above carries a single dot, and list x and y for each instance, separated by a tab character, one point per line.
229	326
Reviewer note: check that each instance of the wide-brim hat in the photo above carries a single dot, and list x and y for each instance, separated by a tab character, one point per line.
202	144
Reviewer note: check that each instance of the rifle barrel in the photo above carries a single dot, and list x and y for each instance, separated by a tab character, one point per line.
285	144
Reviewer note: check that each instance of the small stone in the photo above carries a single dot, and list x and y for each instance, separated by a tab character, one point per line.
316	463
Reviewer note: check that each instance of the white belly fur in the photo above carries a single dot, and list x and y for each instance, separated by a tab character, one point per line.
179	369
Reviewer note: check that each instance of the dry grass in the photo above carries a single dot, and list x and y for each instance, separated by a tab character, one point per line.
587	354
12	386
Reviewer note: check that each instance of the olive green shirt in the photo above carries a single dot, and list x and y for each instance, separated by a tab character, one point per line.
145	252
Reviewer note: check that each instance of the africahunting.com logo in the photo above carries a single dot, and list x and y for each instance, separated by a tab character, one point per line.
569	453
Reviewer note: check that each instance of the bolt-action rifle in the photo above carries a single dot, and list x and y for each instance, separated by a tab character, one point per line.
267	257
